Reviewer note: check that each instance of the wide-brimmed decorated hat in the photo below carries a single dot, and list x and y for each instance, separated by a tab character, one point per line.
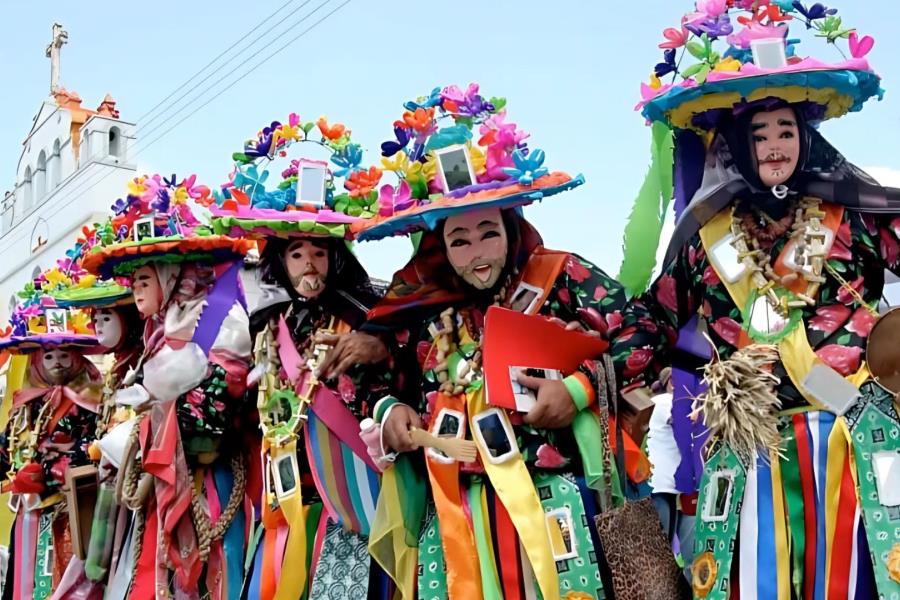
306	201
155	223
728	53
71	286
454	151
38	322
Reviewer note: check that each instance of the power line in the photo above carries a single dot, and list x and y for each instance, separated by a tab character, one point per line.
190	80
89	185
143	145
201	91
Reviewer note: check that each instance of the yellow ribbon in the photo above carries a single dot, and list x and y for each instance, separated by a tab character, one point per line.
782	550
515	489
797	355
15	379
293	566
387	540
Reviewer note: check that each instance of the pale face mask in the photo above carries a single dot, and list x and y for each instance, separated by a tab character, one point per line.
776	141
306	263
147	292
477	246
57	365
108	326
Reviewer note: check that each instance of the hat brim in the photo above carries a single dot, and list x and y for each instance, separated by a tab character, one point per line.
98	296
265	222
839	89
32	343
427	216
126	258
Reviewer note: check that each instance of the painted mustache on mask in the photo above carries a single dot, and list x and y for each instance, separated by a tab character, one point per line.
775	156
483	272
311	280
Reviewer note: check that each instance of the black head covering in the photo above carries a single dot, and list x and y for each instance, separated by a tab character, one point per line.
821	172
348	293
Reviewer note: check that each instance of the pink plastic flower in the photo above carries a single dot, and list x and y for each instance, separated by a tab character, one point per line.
392	200
755	30
712	8
675	38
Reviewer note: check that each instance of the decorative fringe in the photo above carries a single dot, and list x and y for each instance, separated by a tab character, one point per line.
740	408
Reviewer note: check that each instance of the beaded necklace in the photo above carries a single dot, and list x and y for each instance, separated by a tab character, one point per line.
446	339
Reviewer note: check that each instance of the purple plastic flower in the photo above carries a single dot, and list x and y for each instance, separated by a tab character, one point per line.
713	27
813	13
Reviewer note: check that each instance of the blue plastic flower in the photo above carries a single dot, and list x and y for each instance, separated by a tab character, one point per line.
432	99
275	200
528	168
250	180
448	136
348	159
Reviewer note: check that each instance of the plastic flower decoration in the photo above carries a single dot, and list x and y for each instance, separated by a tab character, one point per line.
738	23
454	116
247	185
528	168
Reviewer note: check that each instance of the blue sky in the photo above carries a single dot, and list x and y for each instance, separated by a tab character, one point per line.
570	70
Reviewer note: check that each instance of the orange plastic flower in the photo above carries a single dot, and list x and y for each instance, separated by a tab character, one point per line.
333	132
360	183
573	595
420	120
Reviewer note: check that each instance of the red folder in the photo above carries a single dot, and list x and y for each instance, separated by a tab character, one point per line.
514	339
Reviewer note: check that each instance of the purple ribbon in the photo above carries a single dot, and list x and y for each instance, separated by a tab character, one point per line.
219	301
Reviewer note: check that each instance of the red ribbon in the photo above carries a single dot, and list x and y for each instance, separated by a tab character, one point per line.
163	457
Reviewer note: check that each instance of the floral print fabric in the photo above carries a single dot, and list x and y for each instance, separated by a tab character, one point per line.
582	292
837	326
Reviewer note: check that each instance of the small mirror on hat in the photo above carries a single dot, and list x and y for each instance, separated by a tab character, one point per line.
769	53
144	228
312	176
56	320
455	167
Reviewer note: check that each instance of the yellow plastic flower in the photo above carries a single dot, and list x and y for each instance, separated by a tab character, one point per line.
399	163
37	325
181	195
427	170
136	186
728	65
56	278
86	281
893	563
79	323
285	132
655	83
477	156
573	595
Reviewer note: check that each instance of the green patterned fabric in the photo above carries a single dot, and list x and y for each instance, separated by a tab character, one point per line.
875	427
719	537
581	573
432	569
43	564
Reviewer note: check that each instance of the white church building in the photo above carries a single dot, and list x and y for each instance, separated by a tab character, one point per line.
74	164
